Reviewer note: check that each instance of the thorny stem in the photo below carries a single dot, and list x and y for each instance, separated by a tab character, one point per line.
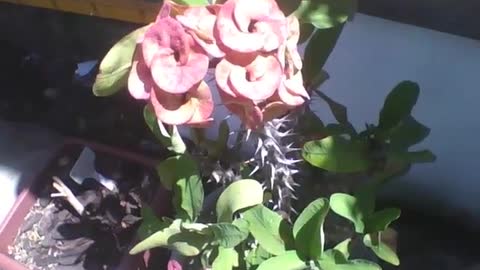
64	191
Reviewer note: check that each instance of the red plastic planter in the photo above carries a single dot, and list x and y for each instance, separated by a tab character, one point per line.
27	198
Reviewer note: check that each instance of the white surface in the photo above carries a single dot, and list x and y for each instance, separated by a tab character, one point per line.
24	150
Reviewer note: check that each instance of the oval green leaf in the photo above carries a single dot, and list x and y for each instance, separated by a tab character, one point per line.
228	235
115	66
348	207
185	243
238	195
325	14
380	220
286	261
398	104
380	249
227	259
266	227
308	229
337	154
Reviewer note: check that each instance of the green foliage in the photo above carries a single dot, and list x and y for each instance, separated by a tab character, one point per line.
192	2
115	66
238	195
287	261
227	259
308	229
318	49
324	14
150	224
337	154
398	104
180	173
172	142
384	252
265	226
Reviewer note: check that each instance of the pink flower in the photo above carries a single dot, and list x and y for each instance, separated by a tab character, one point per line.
199	22
194	107
174	265
174	59
254	77
250	26
292	90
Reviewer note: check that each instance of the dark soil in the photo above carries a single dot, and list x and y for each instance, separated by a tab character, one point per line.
55	236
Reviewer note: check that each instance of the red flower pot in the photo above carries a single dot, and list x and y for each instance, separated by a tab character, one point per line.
27	198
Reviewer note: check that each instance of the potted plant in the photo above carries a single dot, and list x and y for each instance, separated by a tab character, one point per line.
85	203
235	208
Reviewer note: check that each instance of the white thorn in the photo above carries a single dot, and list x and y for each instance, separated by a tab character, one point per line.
254	170
249	132
260	144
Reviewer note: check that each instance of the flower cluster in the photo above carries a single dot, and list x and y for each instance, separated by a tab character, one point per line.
252	49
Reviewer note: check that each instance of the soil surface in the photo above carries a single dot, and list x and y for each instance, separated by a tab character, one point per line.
55	236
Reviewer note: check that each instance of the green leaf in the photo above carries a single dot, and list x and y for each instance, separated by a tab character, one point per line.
379	221
238	195
228	235
344	247
178	146
325	14
115	66
286	261
318	50
348	207
424	156
350	265
337	154
308	229
170	171
192	2
398	104
306	31
180	173
310	124
383	251
150	224
407	133
288	6
185	243
265	226
257	255
227	259
152	123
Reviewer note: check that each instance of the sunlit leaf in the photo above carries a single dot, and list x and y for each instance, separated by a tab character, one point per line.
308	229
238	195
286	261
115	66
325	14
337	154
348	207
265	226
383	251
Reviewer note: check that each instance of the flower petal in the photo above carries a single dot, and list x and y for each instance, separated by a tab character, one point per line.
140	81
171	109
259	80
230	36
202	100
174	77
